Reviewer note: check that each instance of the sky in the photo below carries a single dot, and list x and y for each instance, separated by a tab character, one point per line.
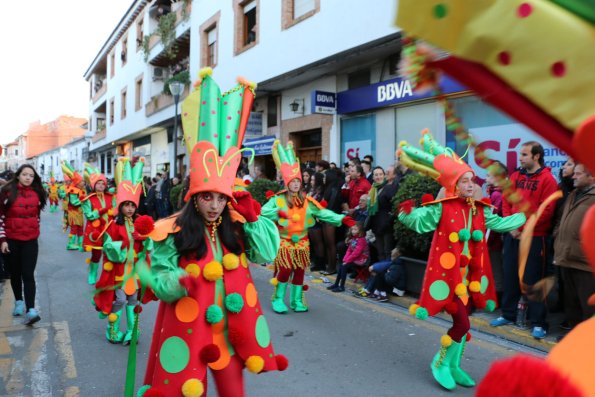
47	45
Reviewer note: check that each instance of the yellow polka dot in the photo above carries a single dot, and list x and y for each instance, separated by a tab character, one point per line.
108	266
231	261
295	217
460	290
213	271
187	309
453	237
310	221
244	260
447	260
474	286
251	295
193	269
280	202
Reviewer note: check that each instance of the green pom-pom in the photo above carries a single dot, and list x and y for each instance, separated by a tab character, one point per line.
477	235
101	315
142	390
295	238
214	314
464	235
234	302
490	306
421	313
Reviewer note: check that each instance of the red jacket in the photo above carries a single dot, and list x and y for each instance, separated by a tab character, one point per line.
355	189
534	188
21	220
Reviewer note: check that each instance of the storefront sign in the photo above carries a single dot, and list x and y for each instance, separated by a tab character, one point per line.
254	126
323	102
387	93
356	149
262	146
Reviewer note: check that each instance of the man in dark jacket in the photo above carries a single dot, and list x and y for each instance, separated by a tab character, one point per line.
577	277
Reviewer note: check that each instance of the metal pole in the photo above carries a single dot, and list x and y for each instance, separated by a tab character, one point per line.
175	135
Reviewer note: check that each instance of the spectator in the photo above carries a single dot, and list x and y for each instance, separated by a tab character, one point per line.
332	196
357	255
380	219
386	275
162	198
355	185
259	173
577	276
322	166
497	176
244	173
367	167
535	183
174	194
317	251
21	201
151	199
370	159
333	166
142	206
306	175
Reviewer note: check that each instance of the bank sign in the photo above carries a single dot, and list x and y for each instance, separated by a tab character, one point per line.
323	102
387	93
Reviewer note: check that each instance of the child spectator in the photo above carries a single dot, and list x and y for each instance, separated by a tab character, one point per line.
357	255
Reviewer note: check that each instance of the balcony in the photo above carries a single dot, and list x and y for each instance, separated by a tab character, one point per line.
99	135
167	27
160	102
100	92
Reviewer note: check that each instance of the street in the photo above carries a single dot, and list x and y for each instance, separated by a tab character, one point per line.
344	346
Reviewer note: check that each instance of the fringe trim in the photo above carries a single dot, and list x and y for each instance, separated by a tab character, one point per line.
293	258
75	217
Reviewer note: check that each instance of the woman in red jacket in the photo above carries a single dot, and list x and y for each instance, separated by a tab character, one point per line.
21	201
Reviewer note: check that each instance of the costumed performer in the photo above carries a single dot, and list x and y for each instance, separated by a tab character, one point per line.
210	315
294	213
98	209
74	194
53	193
123	245
459	275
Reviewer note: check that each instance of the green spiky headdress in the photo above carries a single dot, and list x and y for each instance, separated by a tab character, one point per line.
129	180
286	161
93	175
74	176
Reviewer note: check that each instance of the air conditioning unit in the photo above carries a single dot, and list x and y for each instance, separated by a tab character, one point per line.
158	74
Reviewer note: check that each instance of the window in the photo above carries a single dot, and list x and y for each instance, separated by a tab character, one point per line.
246	24
272	111
123	54
112	68
138	93
250	22
302	7
209	33
123	107
111	111
108	163
140	34
358	79
295	11
212	47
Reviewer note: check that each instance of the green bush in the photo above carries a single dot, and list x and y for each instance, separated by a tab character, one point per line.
259	187
413	244
182	77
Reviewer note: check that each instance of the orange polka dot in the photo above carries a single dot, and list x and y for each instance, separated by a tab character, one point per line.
193	269
251	295
447	260
95	223
187	309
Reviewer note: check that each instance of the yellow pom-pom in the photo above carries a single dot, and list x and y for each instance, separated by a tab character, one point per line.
88	248
88	260
193	388
110	212
274	281
113	317
69	235
413	308
108	266
445	340
204	72
246	83
244	260
402	143
254	364
231	261
475	286
460	289
213	271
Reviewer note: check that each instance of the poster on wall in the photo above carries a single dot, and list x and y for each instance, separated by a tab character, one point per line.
359	149
503	143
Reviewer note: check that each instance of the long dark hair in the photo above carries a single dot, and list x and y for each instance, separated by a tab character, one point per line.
191	239
119	219
10	189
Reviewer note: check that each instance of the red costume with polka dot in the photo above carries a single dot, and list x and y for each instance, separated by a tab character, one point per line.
458	274
209	315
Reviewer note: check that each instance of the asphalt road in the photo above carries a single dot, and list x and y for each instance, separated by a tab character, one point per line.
344	346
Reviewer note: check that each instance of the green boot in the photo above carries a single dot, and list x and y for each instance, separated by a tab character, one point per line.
461	377
441	365
296	301
72	243
279	297
112	332
92	277
130	317
80	241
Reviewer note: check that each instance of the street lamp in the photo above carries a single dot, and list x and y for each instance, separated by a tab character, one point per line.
176	88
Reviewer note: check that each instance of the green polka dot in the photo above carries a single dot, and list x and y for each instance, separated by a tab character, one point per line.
270	355
484	284
197	150
205	180
263	335
166	382
189	330
210	160
174	355
452	221
439	290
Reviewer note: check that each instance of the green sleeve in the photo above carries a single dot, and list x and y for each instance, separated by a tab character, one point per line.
164	273
501	225
74	199
422	219
89	212
262	238
61	193
113	249
270	210
325	215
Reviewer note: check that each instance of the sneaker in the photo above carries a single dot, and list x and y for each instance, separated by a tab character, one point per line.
332	287
362	293
500	321
565	325
373	296
538	333
19	308
32	317
382	298
398	292
338	289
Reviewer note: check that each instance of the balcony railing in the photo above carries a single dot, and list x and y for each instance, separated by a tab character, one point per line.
99	135
162	101
154	39
100	92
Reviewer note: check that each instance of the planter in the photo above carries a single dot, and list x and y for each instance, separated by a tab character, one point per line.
415	274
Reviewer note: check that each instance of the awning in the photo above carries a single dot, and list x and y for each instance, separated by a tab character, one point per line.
262	145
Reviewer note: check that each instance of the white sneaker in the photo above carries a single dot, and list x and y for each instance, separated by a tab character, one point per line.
398	292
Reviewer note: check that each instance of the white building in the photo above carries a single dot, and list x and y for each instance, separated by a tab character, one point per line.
49	162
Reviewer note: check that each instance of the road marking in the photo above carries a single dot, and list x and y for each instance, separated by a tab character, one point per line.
62	342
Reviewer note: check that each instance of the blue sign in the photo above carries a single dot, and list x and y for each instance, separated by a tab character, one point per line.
387	93
262	145
254	126
323	102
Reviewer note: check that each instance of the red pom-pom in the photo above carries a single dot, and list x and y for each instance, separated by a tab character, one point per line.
451	308
210	353
468	337
486	200
323	203
305	287
348	221
282	214
236	336
247	182
406	206
138	309
144	225
282	362
268	194
426	198
153	392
